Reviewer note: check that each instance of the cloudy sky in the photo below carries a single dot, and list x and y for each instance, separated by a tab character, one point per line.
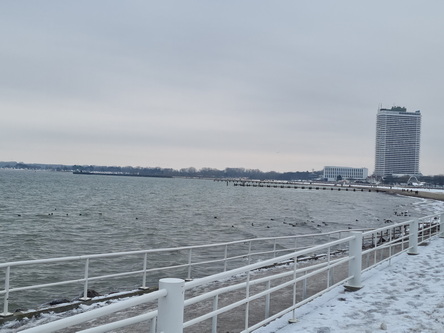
269	85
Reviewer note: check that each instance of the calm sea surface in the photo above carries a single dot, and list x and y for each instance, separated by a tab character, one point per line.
55	214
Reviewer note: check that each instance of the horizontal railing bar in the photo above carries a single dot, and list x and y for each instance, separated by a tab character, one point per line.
392	242
299	304
101	277
390	237
268	262
246	255
253	297
128	253
93	278
233	287
53	284
121	323
264	279
380	262
382	229
86	316
148	270
215	312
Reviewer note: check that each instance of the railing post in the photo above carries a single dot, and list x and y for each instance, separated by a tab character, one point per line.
355	264
413	237
329	269
214	320
153	325
267	300
304	286
85	286
145	259
247	296
171	307
6	313
190	257
293	312
441	226
225	258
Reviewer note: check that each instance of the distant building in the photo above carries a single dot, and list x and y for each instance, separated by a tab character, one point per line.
333	173
397	142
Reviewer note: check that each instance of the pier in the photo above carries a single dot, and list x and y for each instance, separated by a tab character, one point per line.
300	185
418	192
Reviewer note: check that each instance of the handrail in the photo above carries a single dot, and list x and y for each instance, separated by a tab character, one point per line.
193	261
418	229
86	316
170	249
265	263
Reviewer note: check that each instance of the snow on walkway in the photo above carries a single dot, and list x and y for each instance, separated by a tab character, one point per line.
406	296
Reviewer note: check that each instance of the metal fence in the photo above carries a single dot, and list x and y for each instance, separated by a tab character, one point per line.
259	292
185	262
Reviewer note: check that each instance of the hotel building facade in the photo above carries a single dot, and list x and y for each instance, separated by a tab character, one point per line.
333	173
398	135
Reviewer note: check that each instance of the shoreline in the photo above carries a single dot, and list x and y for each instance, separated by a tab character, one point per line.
417	194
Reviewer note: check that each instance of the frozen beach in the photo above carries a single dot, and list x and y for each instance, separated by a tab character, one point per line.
405	296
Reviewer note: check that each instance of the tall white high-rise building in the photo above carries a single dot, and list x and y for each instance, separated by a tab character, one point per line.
397	142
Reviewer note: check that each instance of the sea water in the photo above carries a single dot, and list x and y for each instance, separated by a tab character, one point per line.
47	214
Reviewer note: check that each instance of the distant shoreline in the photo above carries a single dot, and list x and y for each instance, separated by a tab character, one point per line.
117	174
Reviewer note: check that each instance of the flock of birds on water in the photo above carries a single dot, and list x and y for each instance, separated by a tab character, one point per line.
296	224
52	214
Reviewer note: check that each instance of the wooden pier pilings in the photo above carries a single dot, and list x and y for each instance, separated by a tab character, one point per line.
413	192
298	185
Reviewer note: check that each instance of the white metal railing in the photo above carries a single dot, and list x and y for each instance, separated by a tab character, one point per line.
187	259
373	246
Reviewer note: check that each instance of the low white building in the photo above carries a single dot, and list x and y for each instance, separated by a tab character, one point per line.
332	173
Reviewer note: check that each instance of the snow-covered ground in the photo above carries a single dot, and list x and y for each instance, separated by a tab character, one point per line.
406	296
420	189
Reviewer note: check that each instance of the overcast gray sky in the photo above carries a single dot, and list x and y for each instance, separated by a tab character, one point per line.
269	85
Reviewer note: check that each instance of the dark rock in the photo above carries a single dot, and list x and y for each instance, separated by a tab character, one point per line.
92	293
59	301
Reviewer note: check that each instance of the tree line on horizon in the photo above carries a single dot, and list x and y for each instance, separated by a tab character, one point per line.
192	172
169	172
